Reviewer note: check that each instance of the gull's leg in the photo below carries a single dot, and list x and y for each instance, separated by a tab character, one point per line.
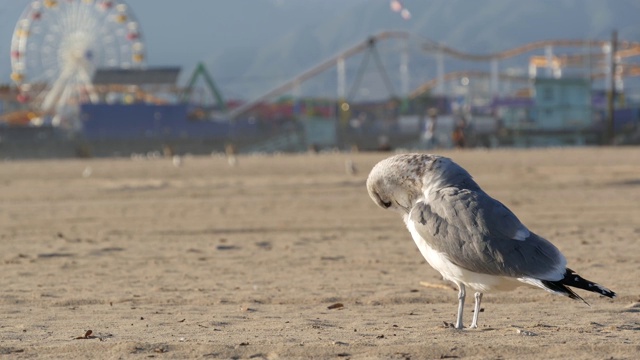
461	294
476	310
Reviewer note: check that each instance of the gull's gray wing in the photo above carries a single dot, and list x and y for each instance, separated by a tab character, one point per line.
480	234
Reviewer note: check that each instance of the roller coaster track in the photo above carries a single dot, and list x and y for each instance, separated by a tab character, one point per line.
460	74
624	49
628	70
327	64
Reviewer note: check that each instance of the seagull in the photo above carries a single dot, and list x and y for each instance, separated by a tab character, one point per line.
350	167
472	239
176	160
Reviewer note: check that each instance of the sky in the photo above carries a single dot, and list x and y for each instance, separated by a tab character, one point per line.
252	45
169	38
182	33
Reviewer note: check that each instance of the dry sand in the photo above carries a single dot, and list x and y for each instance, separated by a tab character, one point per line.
213	261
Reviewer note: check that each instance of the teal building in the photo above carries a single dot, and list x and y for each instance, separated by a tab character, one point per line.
562	104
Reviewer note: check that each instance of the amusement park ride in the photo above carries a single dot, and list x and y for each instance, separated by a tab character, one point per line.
57	46
596	57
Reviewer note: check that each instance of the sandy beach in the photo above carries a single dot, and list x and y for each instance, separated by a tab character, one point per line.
285	257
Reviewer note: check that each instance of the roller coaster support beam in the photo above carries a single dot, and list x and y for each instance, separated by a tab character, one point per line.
404	68
495	85
364	45
342	78
612	87
439	72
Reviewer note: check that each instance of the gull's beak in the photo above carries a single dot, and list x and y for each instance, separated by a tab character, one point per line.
380	202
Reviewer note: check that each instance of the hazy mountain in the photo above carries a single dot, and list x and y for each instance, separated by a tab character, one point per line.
472	26
251	46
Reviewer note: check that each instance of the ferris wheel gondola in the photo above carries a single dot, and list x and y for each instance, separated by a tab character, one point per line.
57	45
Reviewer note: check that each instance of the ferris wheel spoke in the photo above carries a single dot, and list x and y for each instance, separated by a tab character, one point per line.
76	17
84	20
93	95
66	97
54	94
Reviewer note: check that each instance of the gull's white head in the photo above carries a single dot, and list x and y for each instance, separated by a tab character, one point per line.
396	183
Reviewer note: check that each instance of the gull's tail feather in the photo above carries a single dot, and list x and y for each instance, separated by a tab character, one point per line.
575	280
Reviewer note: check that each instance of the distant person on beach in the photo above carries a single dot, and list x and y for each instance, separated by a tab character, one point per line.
457	136
429	134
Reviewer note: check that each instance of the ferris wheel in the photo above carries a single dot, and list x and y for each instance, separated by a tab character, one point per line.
58	44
